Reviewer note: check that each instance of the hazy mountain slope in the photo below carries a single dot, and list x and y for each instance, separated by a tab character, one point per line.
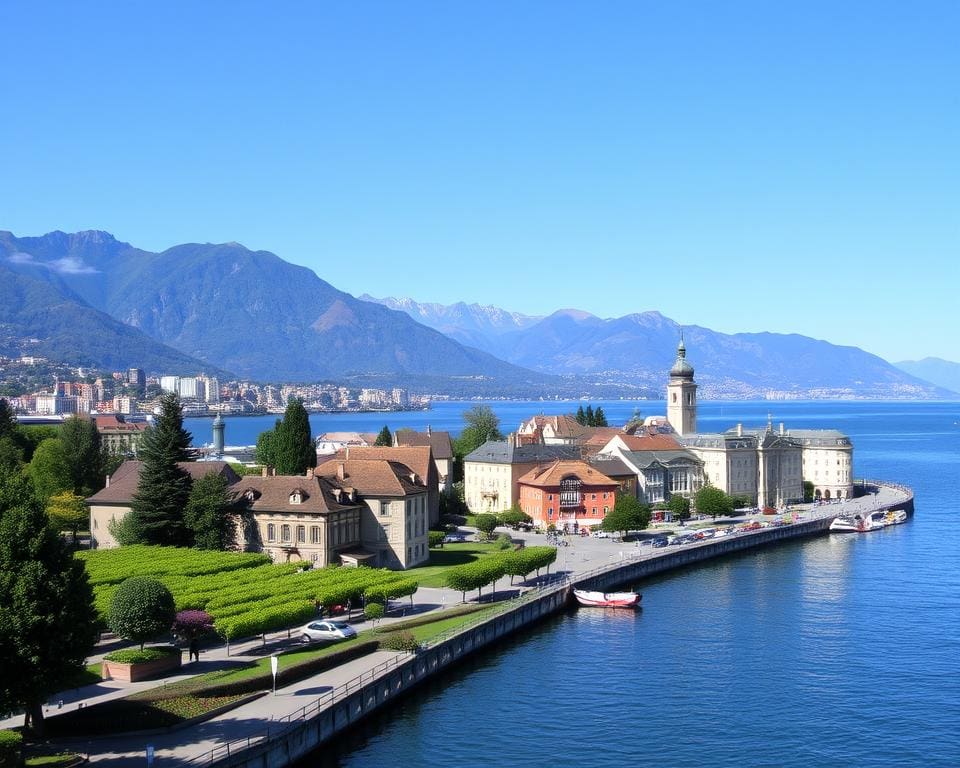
476	325
68	330
251	312
639	349
943	373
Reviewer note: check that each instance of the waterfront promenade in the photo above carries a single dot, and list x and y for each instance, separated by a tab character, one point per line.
261	719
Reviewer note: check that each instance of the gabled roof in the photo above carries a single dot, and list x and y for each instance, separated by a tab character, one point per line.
416	457
439	442
650	442
374	477
549	476
123	483
272	494
611	466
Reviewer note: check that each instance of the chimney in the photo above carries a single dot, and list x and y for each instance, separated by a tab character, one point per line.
309	473
781	428
739	430
108	481
429	431
340	471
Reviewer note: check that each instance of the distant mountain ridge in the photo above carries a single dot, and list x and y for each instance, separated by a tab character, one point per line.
251	312
943	373
639	348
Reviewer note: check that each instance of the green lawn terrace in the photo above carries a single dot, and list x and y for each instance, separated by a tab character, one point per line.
245	594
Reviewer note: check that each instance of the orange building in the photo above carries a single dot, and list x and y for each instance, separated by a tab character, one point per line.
569	494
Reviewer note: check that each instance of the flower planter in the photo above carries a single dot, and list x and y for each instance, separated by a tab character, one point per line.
142	670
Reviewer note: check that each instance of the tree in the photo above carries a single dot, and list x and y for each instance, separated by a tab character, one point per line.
373	612
207	513
486	524
81	446
49	469
628	514
141	609
68	512
581	417
679	507
47	618
809	489
710	500
482	424
193	624
589	416
164	487
290	449
514	516
266	446
599	418
384	438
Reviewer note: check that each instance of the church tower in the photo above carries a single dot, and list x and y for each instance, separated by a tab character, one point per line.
682	395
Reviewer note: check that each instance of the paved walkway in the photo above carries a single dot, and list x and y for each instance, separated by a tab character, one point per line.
250	720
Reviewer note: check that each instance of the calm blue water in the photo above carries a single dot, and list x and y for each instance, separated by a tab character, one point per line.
843	650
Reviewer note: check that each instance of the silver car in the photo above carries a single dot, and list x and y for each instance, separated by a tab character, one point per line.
328	631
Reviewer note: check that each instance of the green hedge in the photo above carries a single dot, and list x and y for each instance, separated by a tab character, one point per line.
136	656
11	746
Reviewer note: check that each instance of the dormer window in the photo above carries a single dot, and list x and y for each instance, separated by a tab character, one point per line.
296	497
250	496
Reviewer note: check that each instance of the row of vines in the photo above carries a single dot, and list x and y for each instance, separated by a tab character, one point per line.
243	593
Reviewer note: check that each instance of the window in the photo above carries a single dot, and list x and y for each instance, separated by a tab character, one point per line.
284	532
301	534
271	532
594	511
606	510
314	534
549	511
593	497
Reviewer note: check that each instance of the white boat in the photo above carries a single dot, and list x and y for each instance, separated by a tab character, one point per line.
607	599
845	524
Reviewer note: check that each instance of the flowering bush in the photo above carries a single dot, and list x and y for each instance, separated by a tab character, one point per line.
192	624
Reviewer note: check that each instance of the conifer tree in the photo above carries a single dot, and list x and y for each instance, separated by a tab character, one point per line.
589	416
599	418
293	444
47	619
384	438
164	488
581	417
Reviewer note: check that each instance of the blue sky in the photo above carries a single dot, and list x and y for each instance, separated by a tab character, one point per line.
792	167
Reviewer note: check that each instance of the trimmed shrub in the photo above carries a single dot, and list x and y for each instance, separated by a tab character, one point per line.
132	656
436	538
141	609
373	611
399	641
11	746
504	541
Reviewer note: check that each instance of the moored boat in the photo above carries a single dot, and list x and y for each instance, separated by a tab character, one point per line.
607	599
844	524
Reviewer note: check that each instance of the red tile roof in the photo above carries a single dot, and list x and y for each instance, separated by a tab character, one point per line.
550	476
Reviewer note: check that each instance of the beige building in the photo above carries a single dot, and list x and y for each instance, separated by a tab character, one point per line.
827	462
394	525
112	503
119	436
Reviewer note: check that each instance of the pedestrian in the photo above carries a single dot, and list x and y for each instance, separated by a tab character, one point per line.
194	650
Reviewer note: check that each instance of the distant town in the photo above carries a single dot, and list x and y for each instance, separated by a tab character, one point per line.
35	386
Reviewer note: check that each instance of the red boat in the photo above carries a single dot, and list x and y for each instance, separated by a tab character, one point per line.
607	599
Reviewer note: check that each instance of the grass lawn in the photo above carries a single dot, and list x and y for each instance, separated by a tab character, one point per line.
449	556
426	632
52	761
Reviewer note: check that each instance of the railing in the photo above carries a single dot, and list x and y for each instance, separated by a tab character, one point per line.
288	722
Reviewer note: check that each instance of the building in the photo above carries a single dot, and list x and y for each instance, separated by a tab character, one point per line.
119	436
661	465
568	494
765	465
124	405
419	458
440	445
492	472
395	524
137	379
113	503
553	430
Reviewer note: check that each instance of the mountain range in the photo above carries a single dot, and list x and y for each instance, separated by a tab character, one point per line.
91	298
943	373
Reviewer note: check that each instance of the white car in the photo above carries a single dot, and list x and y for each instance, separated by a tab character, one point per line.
330	631
601	534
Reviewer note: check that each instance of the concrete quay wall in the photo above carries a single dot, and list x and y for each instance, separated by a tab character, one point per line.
301	737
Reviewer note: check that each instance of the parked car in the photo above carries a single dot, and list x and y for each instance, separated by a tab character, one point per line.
328	631
601	534
658	542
